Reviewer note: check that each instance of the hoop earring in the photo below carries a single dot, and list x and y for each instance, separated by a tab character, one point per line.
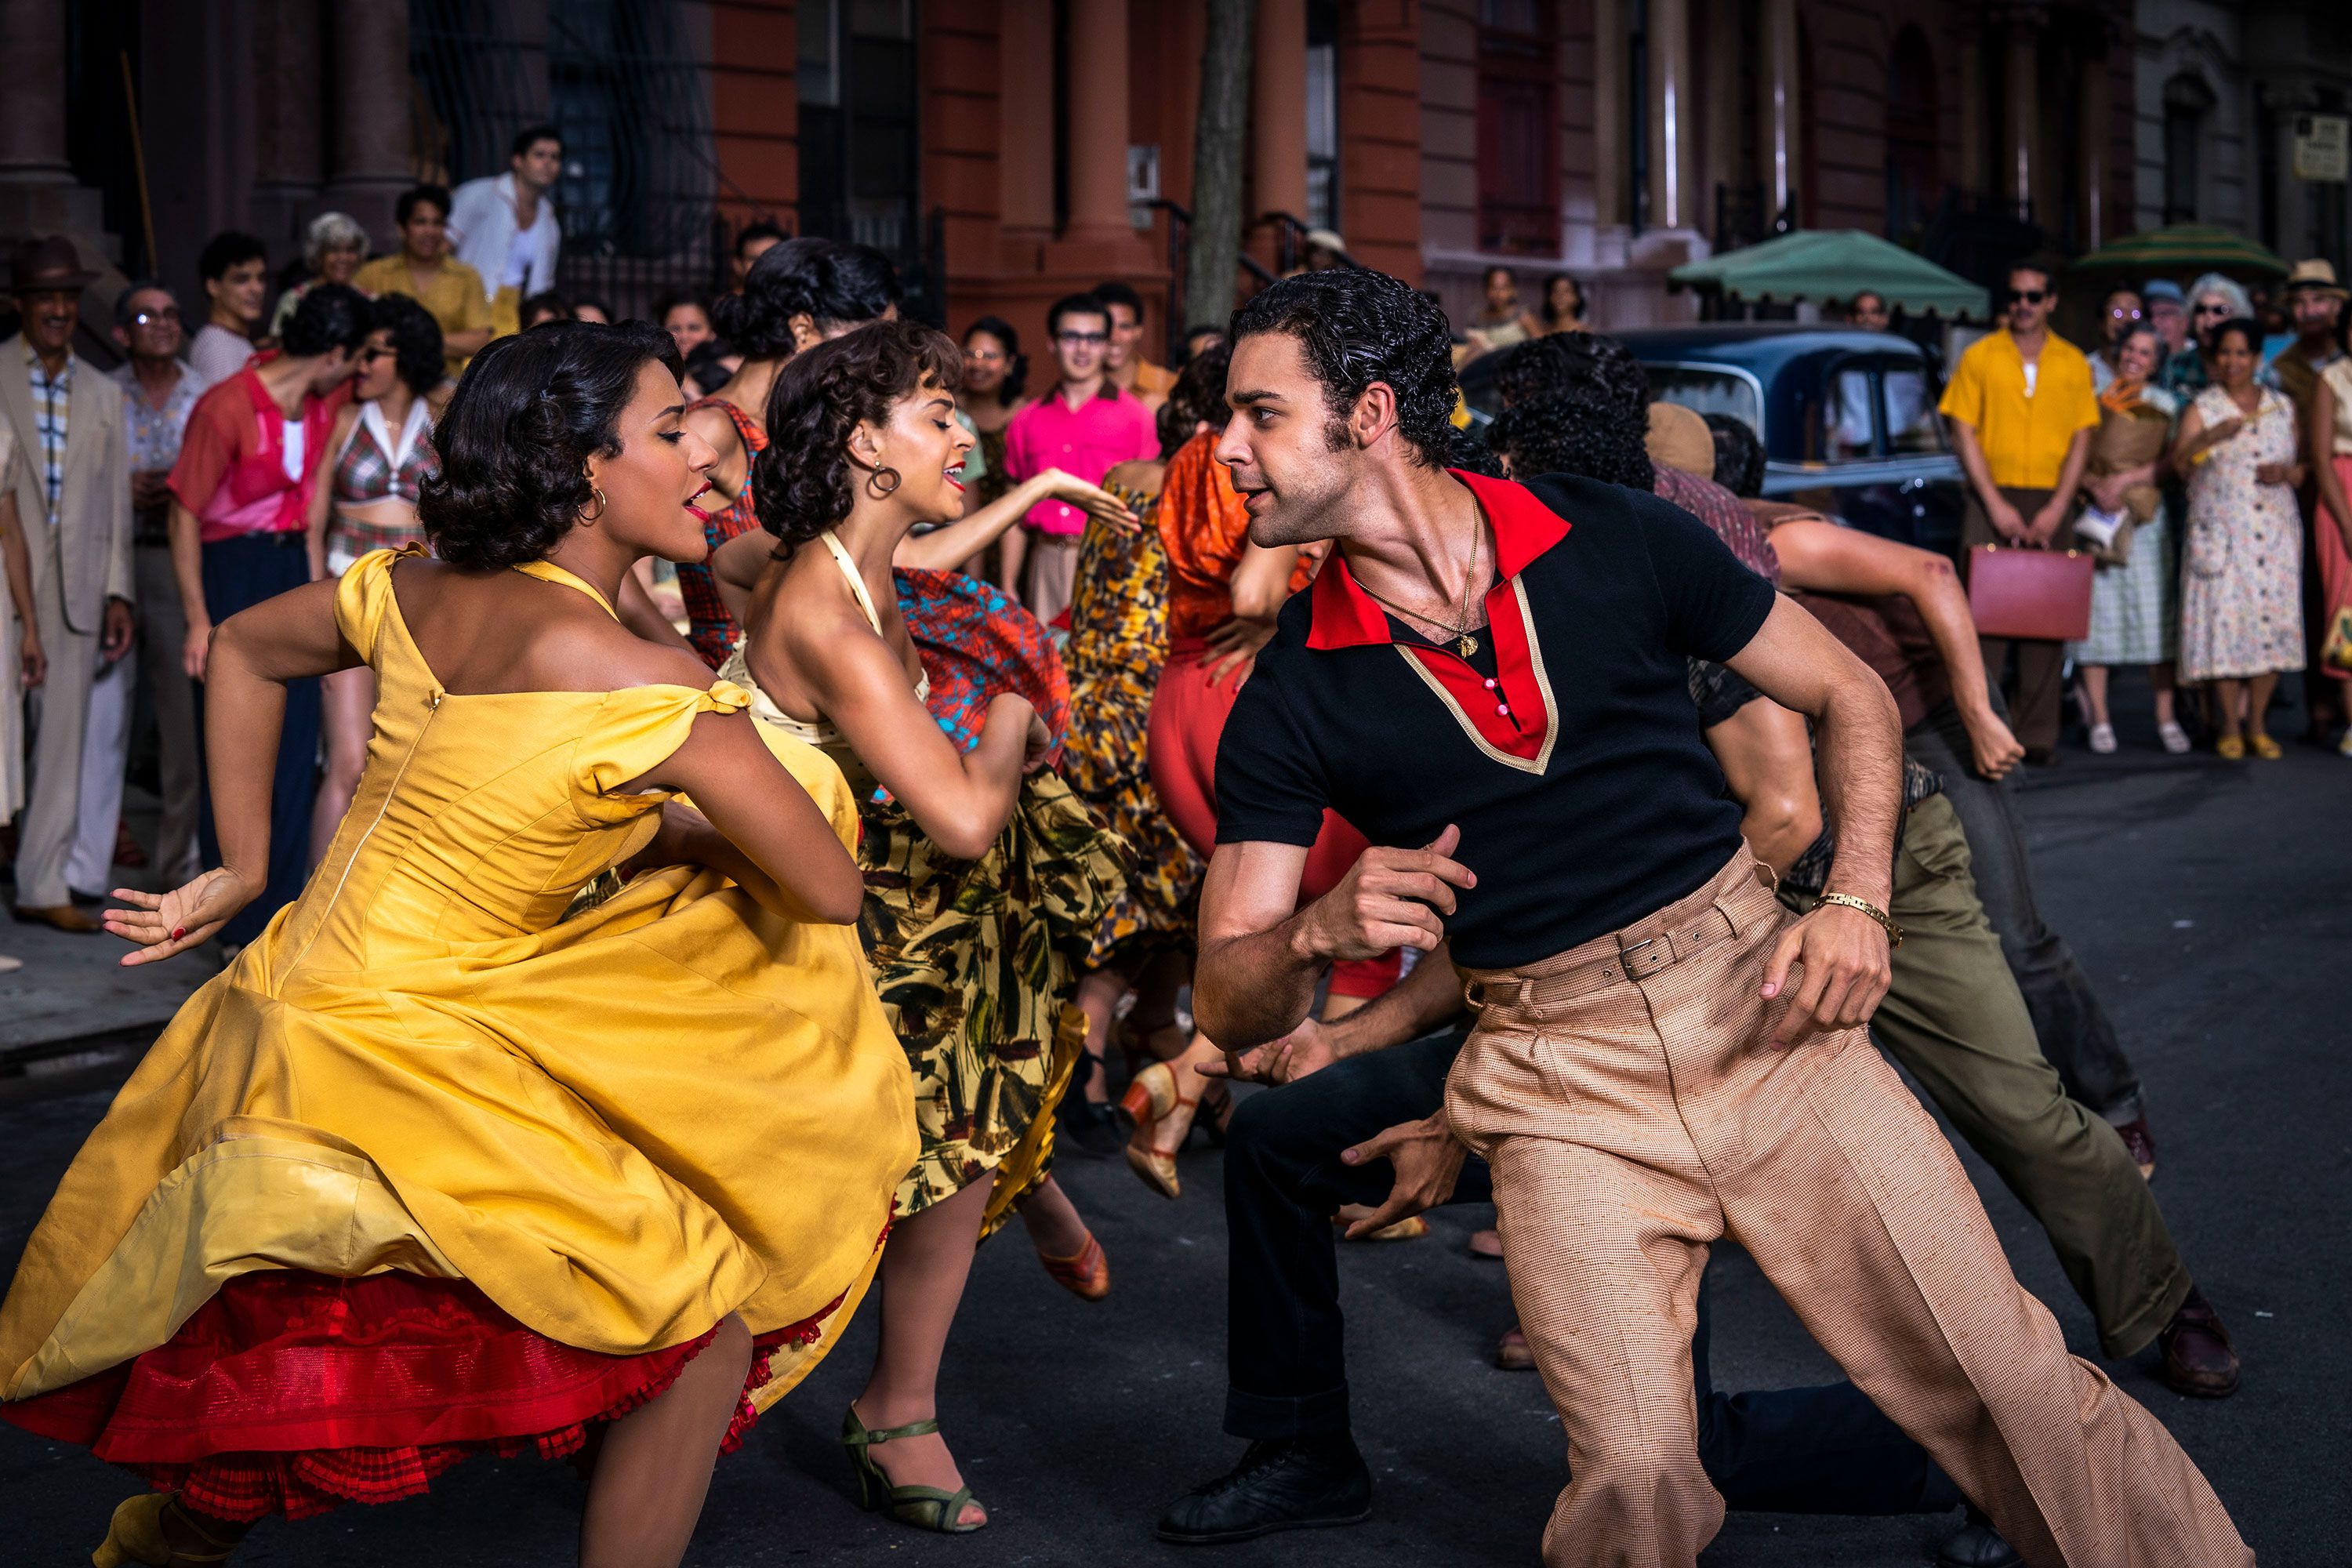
879	474
601	505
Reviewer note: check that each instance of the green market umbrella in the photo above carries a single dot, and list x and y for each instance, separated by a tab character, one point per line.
1834	264
2185	249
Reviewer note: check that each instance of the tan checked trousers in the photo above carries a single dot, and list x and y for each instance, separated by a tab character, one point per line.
1631	1118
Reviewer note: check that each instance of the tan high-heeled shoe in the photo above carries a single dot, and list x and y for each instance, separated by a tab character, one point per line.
1163	1119
135	1538
1085	1275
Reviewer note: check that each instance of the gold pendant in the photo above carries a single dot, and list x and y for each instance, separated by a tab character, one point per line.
1466	646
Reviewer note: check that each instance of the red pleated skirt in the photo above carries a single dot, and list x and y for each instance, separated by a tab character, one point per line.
292	1393
1188	719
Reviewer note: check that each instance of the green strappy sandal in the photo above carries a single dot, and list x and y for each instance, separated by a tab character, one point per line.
925	1507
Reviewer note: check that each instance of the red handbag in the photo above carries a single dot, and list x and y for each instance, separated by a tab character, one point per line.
2042	595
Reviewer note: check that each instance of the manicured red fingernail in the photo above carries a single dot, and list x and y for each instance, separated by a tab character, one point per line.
179	931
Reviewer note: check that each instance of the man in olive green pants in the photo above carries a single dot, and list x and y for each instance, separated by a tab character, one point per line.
1957	1022
1955	1018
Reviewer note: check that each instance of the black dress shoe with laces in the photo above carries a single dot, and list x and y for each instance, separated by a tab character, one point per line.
1977	1544
1300	1483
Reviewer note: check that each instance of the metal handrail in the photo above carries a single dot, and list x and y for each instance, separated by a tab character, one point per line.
1180	227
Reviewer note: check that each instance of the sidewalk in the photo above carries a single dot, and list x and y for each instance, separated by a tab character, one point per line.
73	1017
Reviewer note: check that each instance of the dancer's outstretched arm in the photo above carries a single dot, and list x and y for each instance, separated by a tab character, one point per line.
945	549
251	658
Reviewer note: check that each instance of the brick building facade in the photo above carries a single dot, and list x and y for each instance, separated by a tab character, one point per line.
1008	151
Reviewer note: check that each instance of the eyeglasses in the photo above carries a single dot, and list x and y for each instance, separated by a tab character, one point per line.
2214	309
987	356
149	317
2028	296
1097	339
2123	315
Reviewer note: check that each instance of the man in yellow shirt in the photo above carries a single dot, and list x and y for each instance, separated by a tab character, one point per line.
425	269
2022	411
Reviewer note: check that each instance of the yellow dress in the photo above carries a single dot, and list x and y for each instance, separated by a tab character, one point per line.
619	1127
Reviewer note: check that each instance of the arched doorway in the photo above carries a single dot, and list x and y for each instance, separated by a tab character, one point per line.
1913	180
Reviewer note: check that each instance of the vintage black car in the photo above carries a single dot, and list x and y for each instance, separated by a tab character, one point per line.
1848	418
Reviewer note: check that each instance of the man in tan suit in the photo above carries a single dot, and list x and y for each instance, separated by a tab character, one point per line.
73	492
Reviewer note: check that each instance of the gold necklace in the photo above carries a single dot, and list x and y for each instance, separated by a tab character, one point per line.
1464	643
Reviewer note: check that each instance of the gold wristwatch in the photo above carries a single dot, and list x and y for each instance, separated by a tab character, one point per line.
1847	900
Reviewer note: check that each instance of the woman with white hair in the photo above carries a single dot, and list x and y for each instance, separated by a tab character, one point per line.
2212	299
333	249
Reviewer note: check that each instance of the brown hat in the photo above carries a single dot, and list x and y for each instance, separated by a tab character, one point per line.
43	263
1680	439
2317	277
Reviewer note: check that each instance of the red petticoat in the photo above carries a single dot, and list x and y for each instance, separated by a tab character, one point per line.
290	1392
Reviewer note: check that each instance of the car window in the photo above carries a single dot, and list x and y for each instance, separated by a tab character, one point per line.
1871	408
1705	391
1912	422
1849	416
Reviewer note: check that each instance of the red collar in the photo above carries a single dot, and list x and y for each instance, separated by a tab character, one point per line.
1341	615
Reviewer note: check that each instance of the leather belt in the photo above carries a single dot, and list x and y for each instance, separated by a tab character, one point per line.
1637	957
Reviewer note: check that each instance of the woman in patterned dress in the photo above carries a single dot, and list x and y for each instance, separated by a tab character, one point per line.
1119	642
2134	607
2241	603
985	877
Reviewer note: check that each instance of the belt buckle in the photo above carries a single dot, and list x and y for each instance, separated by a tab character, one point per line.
1650	966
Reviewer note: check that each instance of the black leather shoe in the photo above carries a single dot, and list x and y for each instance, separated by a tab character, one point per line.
1977	1544
2199	1359
1303	1483
1088	1127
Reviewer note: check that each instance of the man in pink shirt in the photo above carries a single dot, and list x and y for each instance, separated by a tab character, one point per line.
1085	426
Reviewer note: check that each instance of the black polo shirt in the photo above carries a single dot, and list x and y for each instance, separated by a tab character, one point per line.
1572	761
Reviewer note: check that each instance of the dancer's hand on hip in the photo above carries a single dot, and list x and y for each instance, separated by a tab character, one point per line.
1427	1159
1389	899
1847	967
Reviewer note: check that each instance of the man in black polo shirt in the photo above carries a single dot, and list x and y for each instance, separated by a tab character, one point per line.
1496	674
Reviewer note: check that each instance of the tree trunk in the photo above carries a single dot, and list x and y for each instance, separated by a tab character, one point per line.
1220	138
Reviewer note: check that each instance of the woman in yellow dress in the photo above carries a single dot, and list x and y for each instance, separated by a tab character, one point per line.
430	1170
985	875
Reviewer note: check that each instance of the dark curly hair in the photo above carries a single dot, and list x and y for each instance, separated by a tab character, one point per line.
1738	454
330	316
1469	453
529	413
1197	398
1357	326
415	340
804	483
1558	360
1581	430
832	284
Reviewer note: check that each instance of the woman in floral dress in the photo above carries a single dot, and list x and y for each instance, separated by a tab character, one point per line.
2241	599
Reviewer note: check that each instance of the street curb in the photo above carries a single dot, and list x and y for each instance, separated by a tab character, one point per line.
74	1064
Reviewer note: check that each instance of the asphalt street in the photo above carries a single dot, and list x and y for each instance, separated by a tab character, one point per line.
2211	902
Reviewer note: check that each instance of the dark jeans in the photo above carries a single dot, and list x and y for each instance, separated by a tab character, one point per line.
2067	1018
239	574
1796	1450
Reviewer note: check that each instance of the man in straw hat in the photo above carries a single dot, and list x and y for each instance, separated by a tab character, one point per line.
73	494
2314	302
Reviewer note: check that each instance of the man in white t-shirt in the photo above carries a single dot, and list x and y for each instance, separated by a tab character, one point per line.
504	226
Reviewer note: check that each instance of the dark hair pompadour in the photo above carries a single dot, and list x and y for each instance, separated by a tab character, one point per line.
1357	326
832	284
514	444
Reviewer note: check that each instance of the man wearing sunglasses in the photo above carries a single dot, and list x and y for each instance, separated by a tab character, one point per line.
2022	411
159	393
